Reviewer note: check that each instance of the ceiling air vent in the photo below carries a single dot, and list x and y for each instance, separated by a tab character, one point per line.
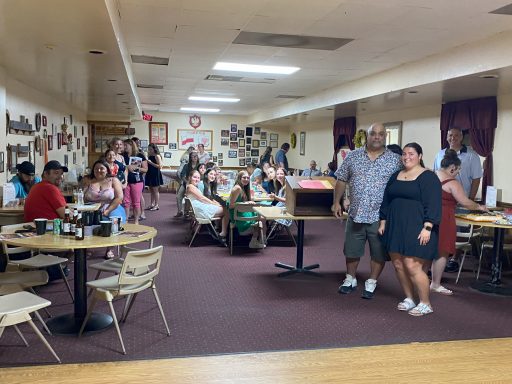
150	86
506	10
239	79
289	97
139	59
290	41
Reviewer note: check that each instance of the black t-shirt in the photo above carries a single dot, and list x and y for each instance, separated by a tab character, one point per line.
134	177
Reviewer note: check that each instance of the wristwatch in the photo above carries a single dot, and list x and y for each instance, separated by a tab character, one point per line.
428	227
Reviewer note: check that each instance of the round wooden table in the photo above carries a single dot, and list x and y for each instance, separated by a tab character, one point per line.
69	324
493	286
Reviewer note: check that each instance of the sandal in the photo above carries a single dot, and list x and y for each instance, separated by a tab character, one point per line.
406	305
149	208
421	309
442	290
154	208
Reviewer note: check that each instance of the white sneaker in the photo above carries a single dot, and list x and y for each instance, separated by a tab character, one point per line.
369	289
349	285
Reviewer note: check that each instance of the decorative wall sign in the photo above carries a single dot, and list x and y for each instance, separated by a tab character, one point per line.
194	121
188	137
83	151
74	157
59	140
2	162
7	121
158	133
38	122
44	121
50	142
66	160
78	143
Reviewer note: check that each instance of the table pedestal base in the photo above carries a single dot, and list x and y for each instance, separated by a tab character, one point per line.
291	270
69	325
491	288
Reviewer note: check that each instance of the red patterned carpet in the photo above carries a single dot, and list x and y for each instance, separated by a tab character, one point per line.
216	303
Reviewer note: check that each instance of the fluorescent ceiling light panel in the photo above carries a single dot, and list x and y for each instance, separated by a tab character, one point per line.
219	99
192	109
237	67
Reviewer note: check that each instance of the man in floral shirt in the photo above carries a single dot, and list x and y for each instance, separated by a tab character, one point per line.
366	171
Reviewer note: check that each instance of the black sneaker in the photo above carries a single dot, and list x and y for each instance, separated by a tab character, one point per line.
348	285
452	266
369	289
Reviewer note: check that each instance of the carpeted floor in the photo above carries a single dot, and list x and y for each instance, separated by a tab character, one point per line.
217	303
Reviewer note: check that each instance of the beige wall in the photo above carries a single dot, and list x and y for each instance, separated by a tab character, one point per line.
502	147
215	123
20	99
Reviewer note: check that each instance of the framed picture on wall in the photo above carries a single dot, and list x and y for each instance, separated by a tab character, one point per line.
393	133
83	151
274	136
50	142
220	155
241	162
247	147
78	143
233	137
214	159
263	143
248	131
241	133
241	152
167	155
232	154
263	135
257	130
66	160
241	142
255	143
302	143
161	148
221	163
233	145
224	133
255	152
173	146
224	141
144	144
74	157
273	143
158	133
2	162
188	137
59	140
234	128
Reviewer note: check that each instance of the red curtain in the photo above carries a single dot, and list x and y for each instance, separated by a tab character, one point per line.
344	130
479	117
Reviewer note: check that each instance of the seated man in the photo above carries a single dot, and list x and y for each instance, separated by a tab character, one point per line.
312	171
24	179
45	199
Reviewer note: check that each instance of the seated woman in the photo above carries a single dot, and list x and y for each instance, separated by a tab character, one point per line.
202	170
280	196
241	192
204	208
269	182
209	184
105	188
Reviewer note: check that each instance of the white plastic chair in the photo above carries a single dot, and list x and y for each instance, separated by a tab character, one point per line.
465	243
16	308
128	283
243	207
198	222
36	261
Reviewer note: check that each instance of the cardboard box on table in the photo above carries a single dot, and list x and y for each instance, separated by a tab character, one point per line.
309	201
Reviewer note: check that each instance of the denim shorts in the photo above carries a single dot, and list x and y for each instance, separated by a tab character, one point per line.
356	236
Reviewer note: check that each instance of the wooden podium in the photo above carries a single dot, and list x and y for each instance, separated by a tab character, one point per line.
313	198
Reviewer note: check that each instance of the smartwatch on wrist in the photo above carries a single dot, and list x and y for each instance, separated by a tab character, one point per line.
428	228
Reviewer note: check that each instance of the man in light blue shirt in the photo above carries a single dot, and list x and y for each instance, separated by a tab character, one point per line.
471	169
24	179
312	171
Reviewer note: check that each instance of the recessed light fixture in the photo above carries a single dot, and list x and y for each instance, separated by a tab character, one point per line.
219	99
124	102
363	101
111	80
237	67
96	52
329	109
120	94
412	91
192	109
489	76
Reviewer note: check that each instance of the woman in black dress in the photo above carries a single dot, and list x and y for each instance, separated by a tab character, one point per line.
154	177
410	215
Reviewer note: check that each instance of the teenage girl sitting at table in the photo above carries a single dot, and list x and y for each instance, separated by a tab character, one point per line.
205	208
241	192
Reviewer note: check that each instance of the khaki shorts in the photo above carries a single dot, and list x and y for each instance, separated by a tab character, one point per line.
356	236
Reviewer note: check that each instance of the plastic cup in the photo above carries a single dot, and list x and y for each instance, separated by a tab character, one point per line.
40	226
106	228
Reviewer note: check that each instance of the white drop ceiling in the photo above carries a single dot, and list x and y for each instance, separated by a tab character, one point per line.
45	44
